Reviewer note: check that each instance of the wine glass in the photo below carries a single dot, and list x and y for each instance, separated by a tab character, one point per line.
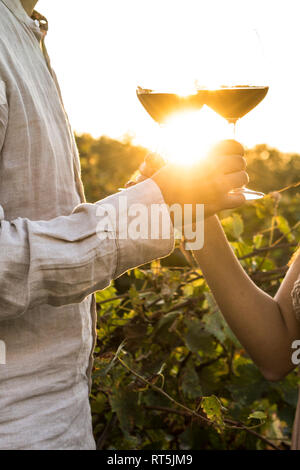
240	83
232	103
228	76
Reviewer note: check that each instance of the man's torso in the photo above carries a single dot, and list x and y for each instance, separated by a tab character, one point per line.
44	385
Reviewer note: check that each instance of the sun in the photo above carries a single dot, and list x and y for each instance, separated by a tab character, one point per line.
186	137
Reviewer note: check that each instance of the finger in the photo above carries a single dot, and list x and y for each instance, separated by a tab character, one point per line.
150	157
129	184
231	163
231	181
227	147
155	160
141	178
151	165
224	164
147	170
232	201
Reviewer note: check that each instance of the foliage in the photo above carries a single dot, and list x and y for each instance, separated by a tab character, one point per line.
169	373
107	164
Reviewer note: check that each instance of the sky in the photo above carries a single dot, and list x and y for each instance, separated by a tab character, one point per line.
101	51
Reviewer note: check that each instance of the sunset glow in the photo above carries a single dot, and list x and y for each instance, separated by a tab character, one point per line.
125	44
186	137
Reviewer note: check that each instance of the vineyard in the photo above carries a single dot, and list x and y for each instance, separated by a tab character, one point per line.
169	373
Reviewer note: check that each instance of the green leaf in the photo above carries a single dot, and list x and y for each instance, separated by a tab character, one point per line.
288	389
238	225
190	385
215	323
125	404
106	294
260	415
247	384
99	404
163	332
257	240
197	339
188	290
284	227
138	274
266	264
213	409
242	248
134	297
233	226
260	211
167	320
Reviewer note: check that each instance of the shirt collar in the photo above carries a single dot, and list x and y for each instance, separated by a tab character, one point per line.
37	21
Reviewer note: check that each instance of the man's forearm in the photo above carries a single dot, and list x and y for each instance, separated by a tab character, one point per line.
252	314
61	261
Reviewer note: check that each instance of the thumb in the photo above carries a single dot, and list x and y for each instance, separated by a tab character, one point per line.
233	200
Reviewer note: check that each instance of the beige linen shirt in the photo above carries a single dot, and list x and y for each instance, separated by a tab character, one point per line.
51	258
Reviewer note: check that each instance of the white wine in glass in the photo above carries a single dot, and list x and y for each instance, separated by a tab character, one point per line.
232	103
227	73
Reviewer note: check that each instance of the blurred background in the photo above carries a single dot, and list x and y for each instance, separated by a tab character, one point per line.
175	335
102	50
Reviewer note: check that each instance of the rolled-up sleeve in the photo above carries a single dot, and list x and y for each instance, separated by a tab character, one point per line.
3	112
61	261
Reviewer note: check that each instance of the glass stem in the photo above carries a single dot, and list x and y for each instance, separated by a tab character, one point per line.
233	128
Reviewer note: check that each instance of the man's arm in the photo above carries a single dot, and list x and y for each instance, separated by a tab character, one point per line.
61	261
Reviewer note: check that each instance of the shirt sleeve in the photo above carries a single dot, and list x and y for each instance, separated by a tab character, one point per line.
3	112
61	261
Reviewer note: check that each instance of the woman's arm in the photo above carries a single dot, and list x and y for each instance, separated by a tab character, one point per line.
265	326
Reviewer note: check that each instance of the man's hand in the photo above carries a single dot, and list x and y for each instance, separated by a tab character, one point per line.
152	163
208	182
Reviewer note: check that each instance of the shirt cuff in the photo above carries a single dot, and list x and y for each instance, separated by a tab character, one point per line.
141	225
